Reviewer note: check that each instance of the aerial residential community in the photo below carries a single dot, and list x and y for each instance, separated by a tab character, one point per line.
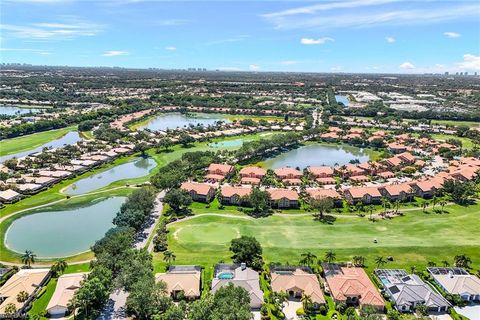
274	160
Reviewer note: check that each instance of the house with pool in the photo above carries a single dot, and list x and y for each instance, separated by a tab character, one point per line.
407	291
241	276
457	281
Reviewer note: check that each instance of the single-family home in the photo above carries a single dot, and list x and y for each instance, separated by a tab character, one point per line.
297	282
201	192
66	287
9	196
457	281
407	291
27	280
241	276
182	281
352	286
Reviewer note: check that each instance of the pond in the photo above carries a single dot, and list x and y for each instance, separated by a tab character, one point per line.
227	143
13	111
62	233
317	155
134	169
343	99
71	137
178	120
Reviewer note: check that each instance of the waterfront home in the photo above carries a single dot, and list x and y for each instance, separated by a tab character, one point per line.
253	172
288	173
396	147
320	172
283	198
28	280
28	188
367	195
407	291
240	276
234	195
220	169
349	170
201	192
352	286
182	281
394	192
457	281
330	136
297	282
9	196
66	287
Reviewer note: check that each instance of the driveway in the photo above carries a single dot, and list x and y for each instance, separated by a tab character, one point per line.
290	309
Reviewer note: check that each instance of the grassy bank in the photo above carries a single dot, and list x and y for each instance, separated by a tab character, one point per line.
32	141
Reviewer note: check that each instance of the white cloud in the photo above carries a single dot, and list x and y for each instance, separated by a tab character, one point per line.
115	53
254	67
336	68
328	15
452	34
390	39
171	48
171	22
470	62
38	51
309	41
52	30
407	66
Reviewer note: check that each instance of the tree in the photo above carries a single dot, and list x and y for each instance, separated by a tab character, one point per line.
462	261
393	314
28	258
169	257
185	139
10	310
307	303
247	250
59	266
91	296
322	205
178	199
330	256
141	147
260	200
422	309
231	303
164	143
380	261
442	203
359	261
22	296
168	180
308	258
147	298
424	204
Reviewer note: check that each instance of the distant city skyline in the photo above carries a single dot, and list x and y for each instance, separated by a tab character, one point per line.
358	36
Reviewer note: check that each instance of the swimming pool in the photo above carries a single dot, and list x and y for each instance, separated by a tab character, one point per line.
225	275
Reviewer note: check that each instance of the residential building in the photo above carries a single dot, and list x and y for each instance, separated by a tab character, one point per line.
367	195
241	276
457	281
409	291
67	285
201	192
297	282
234	195
283	198
352	286
182	281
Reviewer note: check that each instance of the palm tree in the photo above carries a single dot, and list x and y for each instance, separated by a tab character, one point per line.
397	206
424	205
431	264
434	202
370	209
359	261
385	202
308	258
413	269
59	266
330	256
307	302
462	261
380	261
22	296
443	203
168	257
445	263
28	258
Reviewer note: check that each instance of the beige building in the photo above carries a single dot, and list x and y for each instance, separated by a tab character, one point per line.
184	280
66	287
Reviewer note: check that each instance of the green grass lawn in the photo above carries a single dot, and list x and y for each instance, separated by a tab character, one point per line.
413	239
466	142
31	141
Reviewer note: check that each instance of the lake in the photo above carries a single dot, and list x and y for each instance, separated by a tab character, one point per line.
227	143
134	169
12	111
343	99
317	155
71	137
178	120
62	233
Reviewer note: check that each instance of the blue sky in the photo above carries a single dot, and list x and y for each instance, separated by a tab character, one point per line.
322	36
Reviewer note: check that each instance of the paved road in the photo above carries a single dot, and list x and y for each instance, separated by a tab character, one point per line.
115	308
